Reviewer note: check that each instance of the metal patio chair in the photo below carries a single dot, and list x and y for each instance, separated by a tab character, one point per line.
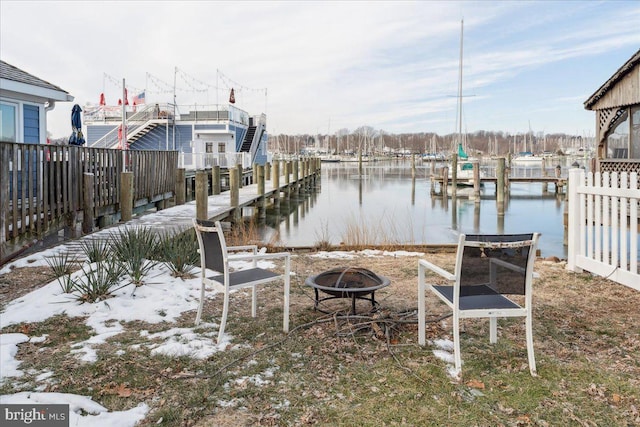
489	270
215	255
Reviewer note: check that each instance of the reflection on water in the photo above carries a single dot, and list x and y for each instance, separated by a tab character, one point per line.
387	205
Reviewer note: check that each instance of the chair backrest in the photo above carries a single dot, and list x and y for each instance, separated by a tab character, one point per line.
502	263
213	248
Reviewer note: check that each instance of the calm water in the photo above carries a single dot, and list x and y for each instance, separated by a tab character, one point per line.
388	206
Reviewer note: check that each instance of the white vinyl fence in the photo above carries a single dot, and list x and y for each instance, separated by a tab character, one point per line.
603	225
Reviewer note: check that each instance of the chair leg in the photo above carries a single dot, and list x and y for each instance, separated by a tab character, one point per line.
421	307
287	285
493	330
223	321
456	342
254	301
199	314
530	355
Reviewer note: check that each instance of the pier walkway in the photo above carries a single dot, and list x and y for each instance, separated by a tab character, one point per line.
178	218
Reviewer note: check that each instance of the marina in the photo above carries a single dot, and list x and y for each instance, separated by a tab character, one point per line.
388	204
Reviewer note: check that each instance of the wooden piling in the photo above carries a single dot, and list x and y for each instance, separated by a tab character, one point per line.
234	192
476	182
181	192
216	186
296	176
275	182
500	167
201	195
126	196
239	172
260	178
454	174
413	165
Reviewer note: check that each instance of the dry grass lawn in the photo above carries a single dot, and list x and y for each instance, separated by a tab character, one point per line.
369	370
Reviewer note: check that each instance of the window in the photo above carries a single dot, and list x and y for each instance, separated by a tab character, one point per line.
623	141
8	122
209	147
618	138
222	147
635	133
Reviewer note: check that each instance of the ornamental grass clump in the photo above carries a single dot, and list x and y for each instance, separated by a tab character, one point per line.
96	250
98	281
61	268
179	252
134	248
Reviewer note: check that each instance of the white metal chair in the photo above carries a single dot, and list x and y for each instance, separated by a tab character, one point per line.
215	255
488	268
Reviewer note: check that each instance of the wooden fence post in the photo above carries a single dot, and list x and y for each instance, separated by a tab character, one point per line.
572	220
88	203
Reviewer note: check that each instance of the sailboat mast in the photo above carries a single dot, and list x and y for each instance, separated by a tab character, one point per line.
460	84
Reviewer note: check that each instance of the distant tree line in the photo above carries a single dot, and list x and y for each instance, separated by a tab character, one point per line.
369	140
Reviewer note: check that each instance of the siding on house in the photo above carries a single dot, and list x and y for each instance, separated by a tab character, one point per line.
31	114
30	95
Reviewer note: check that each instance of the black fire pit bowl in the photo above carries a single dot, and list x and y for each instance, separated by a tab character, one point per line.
347	282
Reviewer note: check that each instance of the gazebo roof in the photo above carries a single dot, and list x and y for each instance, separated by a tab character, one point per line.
613	80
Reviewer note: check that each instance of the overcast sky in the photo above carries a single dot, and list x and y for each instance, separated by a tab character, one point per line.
332	65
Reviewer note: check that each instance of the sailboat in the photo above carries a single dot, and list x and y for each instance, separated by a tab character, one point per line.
527	157
464	169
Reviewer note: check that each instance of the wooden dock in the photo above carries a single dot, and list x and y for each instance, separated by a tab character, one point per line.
502	185
266	184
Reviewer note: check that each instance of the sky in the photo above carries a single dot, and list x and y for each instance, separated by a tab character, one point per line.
161	300
320	67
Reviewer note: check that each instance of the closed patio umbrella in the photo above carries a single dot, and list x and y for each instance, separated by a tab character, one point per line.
76	137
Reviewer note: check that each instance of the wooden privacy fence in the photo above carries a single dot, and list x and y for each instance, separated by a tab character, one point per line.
603	225
42	186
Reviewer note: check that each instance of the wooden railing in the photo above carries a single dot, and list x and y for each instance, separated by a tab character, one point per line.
42	186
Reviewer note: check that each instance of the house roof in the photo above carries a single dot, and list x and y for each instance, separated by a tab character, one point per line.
613	80
13	78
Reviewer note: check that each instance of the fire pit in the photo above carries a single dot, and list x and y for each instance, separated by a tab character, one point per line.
347	282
